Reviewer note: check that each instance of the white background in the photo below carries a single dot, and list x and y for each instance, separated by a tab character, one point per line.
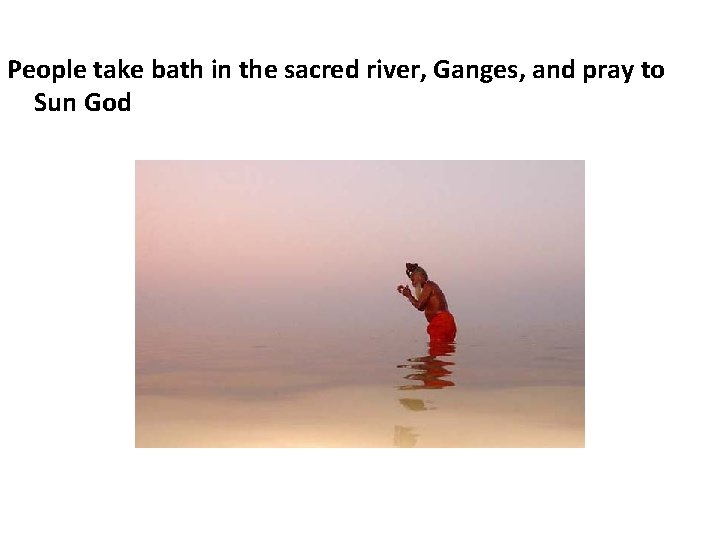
69	467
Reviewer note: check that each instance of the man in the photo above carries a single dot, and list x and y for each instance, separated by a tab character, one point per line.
431	300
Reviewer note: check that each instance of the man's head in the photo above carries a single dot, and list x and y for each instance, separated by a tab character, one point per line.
418	276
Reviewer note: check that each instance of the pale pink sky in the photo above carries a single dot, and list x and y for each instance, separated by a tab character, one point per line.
325	243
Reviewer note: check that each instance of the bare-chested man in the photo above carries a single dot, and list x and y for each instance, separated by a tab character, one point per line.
431	300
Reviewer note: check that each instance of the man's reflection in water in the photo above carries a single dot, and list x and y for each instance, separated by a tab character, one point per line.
404	437
431	372
415	404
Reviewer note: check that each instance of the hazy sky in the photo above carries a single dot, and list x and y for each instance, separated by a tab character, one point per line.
325	243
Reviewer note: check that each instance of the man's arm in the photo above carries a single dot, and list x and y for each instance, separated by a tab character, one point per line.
421	302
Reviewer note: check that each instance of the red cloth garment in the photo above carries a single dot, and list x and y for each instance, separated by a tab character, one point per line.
442	327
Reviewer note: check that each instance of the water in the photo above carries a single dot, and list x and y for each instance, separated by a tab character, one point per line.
504	386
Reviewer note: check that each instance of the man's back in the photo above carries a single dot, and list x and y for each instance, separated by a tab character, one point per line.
436	302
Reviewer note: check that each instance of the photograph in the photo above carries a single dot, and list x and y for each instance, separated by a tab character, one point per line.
360	304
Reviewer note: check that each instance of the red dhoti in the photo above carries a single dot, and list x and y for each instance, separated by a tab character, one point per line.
442	327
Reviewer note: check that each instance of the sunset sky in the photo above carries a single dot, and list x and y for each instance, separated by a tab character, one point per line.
324	244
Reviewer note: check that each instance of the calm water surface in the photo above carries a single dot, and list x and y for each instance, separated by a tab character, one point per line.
496	387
